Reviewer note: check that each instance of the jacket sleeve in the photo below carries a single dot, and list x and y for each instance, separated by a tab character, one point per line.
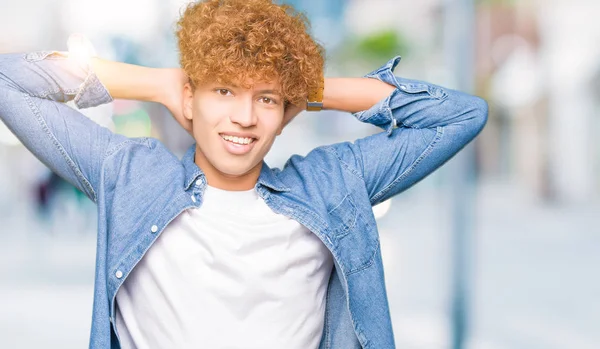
33	89
424	126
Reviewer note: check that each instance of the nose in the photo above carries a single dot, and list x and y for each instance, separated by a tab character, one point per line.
243	114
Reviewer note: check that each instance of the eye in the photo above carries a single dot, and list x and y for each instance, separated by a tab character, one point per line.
223	91
267	100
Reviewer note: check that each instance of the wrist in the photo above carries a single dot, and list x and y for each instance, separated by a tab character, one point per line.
314	101
329	86
354	94
128	81
162	85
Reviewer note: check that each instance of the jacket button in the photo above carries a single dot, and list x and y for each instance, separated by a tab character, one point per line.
119	274
154	229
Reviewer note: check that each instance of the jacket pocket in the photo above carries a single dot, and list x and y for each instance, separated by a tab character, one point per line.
343	217
354	240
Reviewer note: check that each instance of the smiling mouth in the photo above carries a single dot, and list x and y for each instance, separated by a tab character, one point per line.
238	140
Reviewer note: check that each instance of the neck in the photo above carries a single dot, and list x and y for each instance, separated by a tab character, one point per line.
220	180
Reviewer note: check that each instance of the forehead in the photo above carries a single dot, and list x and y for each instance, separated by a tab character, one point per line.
250	84
242	80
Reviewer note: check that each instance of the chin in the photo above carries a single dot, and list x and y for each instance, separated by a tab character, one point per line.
234	169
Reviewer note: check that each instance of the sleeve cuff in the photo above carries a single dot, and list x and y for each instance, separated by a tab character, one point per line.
92	93
381	113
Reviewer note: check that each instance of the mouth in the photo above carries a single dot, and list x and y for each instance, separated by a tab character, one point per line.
237	145
238	140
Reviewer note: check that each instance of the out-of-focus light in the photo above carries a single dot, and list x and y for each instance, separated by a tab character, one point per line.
133	19
135	124
381	209
519	79
80	49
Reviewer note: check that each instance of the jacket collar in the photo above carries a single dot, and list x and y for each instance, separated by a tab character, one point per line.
267	177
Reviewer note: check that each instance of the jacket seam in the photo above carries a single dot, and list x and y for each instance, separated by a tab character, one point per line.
60	148
326	323
424	154
111	151
344	164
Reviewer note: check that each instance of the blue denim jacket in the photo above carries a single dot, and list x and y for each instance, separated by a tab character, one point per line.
139	186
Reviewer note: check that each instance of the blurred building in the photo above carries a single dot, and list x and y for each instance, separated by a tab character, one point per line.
539	72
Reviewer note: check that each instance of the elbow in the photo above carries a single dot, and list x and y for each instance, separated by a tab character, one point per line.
479	114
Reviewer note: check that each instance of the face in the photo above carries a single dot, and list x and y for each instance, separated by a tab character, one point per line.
234	129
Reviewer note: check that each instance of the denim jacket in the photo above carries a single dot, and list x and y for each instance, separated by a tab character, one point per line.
139	186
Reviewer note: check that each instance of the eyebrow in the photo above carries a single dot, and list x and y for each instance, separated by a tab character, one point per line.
273	92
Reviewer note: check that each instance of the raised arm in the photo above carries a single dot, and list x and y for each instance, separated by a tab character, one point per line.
127	81
425	125
33	89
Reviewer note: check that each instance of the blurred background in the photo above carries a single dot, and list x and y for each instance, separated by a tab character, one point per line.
496	250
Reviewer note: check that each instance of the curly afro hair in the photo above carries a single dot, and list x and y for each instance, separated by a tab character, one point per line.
236	41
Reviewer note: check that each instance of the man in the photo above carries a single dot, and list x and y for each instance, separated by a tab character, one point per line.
218	250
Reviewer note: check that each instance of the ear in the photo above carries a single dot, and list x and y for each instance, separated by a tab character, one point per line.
188	100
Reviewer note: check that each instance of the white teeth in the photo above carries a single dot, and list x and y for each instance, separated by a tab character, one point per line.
238	140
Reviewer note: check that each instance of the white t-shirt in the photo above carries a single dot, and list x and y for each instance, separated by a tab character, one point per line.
230	274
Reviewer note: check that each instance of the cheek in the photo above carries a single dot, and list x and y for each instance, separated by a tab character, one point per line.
207	116
271	121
